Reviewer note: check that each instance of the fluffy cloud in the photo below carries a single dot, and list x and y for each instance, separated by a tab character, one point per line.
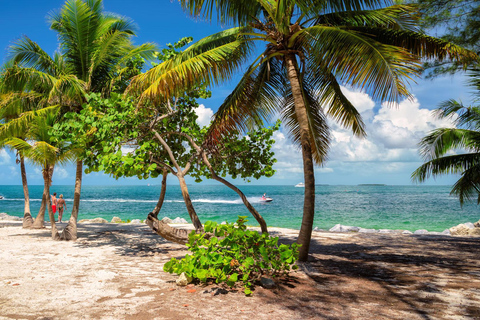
393	132
204	115
60	173
4	157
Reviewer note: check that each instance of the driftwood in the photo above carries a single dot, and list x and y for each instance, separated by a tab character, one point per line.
165	231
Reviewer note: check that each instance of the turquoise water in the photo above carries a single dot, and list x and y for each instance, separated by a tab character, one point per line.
379	207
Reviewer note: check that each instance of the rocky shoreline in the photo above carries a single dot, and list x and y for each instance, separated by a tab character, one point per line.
463	229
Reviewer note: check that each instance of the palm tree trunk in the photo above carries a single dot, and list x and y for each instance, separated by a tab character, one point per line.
39	222
255	214
305	234
159	205
188	203
27	216
47	178
70	231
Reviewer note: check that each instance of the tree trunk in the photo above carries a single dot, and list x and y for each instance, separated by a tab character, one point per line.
188	203
70	231
159	205
305	234
27	216
39	222
255	214
165	231
47	178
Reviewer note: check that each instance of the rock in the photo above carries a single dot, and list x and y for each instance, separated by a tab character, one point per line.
179	220
183	280
477	224
4	216
386	231
474	232
363	230
407	232
341	228
469	225
460	230
421	231
267	283
446	232
136	221
96	220
318	229
116	220
166	220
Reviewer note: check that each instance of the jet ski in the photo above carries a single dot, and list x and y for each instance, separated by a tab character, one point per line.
266	199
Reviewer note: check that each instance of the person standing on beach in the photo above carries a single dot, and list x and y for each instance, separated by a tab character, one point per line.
61	204
54	203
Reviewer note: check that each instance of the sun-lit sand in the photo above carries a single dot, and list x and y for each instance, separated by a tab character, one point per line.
114	271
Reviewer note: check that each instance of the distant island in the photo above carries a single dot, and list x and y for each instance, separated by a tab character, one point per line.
372	184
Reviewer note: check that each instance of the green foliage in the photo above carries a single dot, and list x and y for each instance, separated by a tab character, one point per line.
234	254
458	21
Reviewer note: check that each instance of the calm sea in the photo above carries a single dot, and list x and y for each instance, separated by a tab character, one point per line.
379	207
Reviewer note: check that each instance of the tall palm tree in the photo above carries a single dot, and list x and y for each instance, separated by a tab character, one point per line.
44	150
96	47
311	48
437	148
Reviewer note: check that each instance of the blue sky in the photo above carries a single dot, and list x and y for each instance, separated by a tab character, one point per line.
388	155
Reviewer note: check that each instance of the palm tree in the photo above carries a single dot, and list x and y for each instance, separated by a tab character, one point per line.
96	47
311	48
46	152
437	148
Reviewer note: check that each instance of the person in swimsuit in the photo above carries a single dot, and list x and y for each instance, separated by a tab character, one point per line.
54	203
61	205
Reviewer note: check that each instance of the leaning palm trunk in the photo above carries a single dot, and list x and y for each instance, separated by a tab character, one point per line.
27	216
305	234
39	222
70	231
161	198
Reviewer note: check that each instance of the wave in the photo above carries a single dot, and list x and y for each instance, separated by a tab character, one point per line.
212	201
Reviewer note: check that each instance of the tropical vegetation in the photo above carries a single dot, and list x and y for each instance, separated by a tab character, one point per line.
311	49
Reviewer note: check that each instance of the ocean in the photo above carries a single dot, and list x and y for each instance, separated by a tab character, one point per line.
378	207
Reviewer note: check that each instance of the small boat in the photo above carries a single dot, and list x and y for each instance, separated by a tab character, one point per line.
1	197
267	199
300	185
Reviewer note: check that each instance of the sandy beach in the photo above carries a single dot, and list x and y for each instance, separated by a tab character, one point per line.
114	271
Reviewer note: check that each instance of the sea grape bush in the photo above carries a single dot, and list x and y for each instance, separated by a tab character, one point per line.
230	253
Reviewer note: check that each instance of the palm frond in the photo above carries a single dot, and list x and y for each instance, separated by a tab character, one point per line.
468	186
29	54
211	61
254	100
455	164
442	140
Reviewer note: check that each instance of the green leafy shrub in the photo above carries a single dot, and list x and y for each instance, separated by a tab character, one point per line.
230	253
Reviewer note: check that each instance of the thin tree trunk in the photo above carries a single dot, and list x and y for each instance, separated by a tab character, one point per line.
47	177
255	214
70	231
159	205
27	216
188	203
305	233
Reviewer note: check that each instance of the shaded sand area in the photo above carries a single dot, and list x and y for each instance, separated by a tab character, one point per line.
114	271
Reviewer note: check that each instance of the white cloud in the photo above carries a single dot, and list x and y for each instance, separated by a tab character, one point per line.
204	115
4	157
60	173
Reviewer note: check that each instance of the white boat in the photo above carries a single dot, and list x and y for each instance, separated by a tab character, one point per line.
300	185
267	199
